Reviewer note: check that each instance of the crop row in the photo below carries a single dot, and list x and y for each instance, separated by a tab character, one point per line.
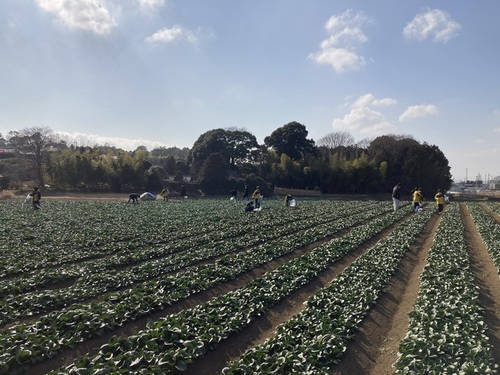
314	340
98	283
127	255
494	206
446	332
28	343
489	230
171	343
69	232
76	231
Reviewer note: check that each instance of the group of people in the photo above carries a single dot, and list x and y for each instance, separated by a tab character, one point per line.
35	196
417	199
164	194
257	197
255	203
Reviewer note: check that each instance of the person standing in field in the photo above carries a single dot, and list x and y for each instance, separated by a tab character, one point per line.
246	192
417	199
439	197
183	191
396	197
164	194
256	197
35	197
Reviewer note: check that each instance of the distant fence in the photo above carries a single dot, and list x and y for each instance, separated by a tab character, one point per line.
297	192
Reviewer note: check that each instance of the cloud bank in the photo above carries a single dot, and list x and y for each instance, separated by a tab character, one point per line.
91	140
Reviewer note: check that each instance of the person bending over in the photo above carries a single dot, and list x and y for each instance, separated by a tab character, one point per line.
133	197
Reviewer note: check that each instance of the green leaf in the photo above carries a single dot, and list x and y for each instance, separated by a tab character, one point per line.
180	365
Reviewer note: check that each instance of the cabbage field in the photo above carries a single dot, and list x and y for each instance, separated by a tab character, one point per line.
202	287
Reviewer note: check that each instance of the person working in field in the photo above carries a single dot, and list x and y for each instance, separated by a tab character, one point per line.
439	197
246	192
417	199
164	194
396	197
35	197
256	196
249	207
133	197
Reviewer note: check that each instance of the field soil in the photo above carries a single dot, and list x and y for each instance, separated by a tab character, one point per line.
374	348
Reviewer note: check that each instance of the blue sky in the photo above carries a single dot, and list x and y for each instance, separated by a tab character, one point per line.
162	72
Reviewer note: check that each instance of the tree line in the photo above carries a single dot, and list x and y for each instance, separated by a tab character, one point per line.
221	160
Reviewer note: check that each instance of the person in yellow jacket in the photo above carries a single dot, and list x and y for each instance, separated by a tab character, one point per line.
256	197
35	197
439	197
164	194
417	199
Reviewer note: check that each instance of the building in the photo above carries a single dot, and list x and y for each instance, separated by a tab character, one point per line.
5	148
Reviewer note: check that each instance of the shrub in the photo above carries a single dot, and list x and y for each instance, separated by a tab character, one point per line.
7	194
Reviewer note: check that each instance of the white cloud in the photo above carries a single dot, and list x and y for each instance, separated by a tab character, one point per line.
87	15
340	59
90	140
166	35
339	50
150	5
434	24
370	100
416	111
364	120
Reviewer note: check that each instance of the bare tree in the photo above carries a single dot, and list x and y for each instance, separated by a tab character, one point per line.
31	145
364	143
336	139
80	140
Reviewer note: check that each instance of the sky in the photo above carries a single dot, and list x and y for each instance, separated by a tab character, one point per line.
162	72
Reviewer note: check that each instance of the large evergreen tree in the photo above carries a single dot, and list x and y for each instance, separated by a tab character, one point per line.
234	146
291	140
213	175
